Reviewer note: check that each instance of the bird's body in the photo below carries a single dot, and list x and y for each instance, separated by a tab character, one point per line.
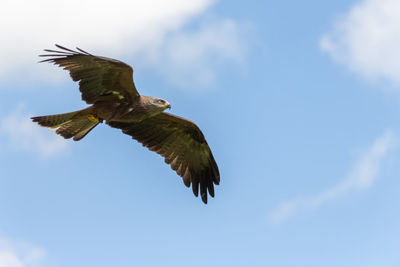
143	107
107	85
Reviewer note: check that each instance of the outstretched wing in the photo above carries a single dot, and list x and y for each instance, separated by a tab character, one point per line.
100	78
183	146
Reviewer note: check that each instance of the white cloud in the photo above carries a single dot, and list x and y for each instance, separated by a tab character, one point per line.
194	55
151	30
367	40
361	176
22	134
19	254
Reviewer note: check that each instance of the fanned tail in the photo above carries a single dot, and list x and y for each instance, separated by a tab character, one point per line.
75	124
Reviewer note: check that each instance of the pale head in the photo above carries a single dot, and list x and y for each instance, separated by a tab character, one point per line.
155	104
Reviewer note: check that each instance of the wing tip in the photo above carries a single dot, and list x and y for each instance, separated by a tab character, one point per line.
83	51
204	198
62	53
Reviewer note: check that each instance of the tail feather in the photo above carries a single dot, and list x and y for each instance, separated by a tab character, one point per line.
73	124
85	131
76	128
54	121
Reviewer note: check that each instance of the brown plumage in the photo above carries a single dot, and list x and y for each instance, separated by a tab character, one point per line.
107	85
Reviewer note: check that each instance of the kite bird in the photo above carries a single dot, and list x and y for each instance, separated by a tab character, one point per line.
107	85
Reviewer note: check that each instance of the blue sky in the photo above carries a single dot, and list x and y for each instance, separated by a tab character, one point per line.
299	101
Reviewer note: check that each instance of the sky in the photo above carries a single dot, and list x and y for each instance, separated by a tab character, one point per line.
298	100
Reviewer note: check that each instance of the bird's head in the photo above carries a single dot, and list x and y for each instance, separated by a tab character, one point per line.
160	104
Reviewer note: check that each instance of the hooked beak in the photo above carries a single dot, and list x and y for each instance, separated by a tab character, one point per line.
168	105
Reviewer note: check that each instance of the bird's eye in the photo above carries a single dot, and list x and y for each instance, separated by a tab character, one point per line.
161	101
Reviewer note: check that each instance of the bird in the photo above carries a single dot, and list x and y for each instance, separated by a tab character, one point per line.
107	86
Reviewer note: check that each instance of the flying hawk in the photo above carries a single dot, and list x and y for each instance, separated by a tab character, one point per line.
107	85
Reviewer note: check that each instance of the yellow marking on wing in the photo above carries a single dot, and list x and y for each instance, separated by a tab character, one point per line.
92	118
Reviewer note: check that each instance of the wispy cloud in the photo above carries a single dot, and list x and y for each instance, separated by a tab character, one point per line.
188	58
151	29
367	39
20	133
361	176
19	254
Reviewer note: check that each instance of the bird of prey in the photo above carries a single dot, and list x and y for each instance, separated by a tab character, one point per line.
107	86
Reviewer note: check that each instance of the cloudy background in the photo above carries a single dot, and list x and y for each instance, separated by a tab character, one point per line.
298	100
